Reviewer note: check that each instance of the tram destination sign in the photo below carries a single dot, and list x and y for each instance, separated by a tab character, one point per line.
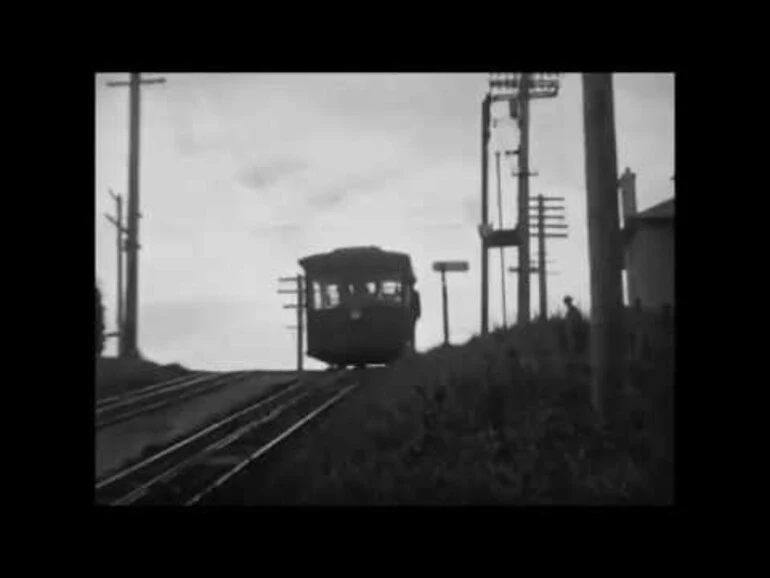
450	266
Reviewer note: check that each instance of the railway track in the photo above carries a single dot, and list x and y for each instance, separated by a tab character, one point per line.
117	409
106	401
192	470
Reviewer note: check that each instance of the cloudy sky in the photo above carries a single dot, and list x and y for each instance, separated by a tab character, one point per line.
244	174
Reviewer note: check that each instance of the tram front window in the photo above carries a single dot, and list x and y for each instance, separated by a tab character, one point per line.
325	295
362	288
391	291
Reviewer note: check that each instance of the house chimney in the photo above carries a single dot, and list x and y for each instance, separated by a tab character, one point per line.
628	194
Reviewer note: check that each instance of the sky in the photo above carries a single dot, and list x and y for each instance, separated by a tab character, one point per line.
242	175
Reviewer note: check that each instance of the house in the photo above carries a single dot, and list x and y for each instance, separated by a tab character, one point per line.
648	248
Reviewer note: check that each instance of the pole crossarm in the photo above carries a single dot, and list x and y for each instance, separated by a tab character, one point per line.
540	84
113	83
532	270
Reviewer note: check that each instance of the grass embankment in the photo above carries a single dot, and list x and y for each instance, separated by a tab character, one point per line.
115	376
500	420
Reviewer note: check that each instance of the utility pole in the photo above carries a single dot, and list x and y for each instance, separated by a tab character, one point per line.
541	257
605	255
502	249
300	306
120	230
519	89
544	230
485	111
445	307
523	315
442	267
130	325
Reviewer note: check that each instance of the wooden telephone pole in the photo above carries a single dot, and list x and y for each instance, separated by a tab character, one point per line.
300	306
605	253
545	230
502	249
485	110
522	314
120	231
130	325
518	89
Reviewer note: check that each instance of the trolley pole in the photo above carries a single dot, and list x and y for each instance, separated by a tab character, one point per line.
604	241
130	326
120	230
485	112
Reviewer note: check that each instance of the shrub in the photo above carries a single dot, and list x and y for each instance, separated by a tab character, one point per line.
99	323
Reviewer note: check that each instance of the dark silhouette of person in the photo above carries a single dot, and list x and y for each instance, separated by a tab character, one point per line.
415	311
575	328
359	288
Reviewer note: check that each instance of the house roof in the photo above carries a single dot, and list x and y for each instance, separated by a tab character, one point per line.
664	210
660	214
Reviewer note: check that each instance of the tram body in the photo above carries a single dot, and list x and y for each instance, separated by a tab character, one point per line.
362	307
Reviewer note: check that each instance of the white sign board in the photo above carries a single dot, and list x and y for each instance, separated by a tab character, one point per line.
450	266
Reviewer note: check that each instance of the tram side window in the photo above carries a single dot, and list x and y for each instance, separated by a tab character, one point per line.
325	295
332	295
317	301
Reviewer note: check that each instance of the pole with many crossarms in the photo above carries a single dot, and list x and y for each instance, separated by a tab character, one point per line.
129	340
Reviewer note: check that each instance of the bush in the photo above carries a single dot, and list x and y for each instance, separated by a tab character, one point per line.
502	419
99	323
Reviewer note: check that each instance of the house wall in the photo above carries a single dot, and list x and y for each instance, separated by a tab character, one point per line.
650	265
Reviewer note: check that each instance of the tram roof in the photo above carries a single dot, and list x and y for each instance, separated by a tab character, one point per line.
358	261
